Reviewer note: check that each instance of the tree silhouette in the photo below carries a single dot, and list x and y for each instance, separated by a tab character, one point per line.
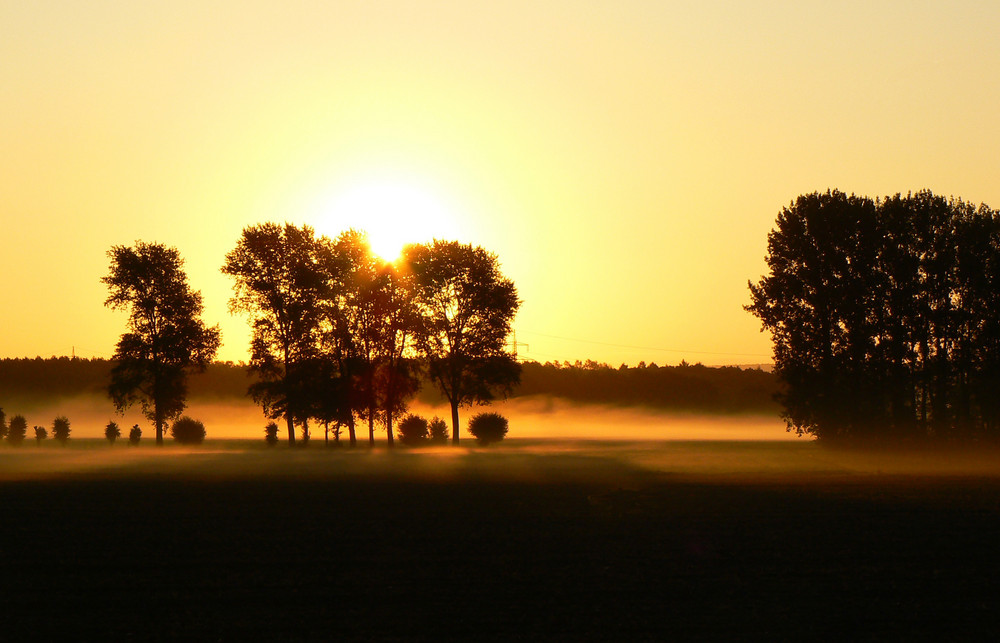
279	285
134	435
166	338
3	425
488	427
271	434
40	434
60	429
438	430
187	430
883	315
467	308
16	430
112	432
413	430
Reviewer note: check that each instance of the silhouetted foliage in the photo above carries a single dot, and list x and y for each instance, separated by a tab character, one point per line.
280	285
134	435
467	308
438	430
187	430
166	338
271	433
112	432
60	429
884	316
413	430
488	427
3	425
16	430
40	434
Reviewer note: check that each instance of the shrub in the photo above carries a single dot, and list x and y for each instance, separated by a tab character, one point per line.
112	432
413	430
188	431
17	429
271	434
439	430
488	427
134	435
60	429
40	434
3	424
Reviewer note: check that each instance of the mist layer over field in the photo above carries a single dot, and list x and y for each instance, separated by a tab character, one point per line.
529	418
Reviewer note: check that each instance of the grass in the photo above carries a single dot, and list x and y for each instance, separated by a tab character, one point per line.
538	539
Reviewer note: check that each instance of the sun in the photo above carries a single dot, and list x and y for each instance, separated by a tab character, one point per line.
393	211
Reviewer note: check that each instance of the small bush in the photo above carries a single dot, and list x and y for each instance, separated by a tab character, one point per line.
188	431
17	429
271	434
40	434
112	432
413	430
488	427
134	435
60	429
439	431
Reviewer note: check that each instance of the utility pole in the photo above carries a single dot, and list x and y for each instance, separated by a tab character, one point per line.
514	343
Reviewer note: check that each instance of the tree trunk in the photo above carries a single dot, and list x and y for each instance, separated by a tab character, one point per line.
350	430
291	428
371	428
388	427
159	426
454	422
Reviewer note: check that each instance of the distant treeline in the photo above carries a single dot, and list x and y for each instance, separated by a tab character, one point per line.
686	387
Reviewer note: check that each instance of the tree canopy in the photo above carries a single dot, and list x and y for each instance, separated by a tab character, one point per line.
166	338
467	307
884	315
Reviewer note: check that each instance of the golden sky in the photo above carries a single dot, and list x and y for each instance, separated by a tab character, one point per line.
625	160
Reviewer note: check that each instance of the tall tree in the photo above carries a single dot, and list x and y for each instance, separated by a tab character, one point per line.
883	315
396	372
166	338
467	308
280	286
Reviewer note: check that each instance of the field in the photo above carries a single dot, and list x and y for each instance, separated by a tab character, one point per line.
535	539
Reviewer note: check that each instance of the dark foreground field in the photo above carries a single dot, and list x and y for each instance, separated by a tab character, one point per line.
565	541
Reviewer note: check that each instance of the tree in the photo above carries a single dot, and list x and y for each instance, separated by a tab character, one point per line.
488	427
413	430
187	430
134	435
112	432
40	434
280	286
166	338
271	434
467	307
3	424
60	429
395	377
438	430
882	315
16	430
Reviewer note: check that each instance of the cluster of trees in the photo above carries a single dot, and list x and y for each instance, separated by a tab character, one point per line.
15	432
884	315
338	336
685	387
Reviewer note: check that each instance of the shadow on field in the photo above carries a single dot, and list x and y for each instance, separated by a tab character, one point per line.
232	543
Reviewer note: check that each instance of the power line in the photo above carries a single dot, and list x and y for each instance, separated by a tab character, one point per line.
643	348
